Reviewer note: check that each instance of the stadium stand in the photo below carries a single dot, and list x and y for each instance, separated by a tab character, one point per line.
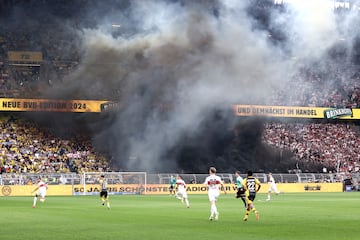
27	148
327	144
342	89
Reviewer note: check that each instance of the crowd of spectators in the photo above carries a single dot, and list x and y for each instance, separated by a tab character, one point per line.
56	64
27	148
336	85
334	146
29	33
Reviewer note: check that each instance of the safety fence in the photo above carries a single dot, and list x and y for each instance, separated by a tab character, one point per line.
161	178
121	183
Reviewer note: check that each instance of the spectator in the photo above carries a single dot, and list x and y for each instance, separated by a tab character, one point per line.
24	147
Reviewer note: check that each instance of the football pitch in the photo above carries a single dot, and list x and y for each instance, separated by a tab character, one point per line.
286	216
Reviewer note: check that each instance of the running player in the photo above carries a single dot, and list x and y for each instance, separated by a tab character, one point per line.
252	186
181	191
213	181
272	187
40	190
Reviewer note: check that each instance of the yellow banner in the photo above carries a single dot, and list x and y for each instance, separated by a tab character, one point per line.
49	105
296	112
150	189
25	56
53	190
122	189
161	189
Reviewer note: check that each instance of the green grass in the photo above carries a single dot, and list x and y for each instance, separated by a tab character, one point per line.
288	216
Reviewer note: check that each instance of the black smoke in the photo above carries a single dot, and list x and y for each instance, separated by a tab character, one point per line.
175	68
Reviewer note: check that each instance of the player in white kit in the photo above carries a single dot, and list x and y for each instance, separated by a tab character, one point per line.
181	191
272	187
213	182
41	188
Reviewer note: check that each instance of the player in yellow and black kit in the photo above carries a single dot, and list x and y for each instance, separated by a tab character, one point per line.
252	186
104	193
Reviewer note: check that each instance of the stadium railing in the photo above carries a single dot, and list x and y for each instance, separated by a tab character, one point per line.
161	178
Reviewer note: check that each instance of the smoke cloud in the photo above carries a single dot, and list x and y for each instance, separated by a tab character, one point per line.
182	67
176	68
